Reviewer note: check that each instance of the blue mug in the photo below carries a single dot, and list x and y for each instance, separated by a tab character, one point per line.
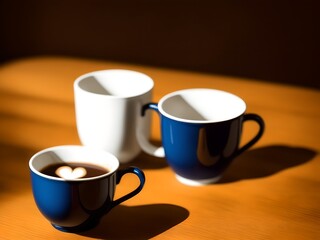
201	130
73	202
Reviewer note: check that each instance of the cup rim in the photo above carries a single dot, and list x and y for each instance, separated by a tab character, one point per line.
109	156
83	77
172	94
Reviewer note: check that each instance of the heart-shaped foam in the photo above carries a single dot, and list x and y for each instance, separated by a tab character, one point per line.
67	172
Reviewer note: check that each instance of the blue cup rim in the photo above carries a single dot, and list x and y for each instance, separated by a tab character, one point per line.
239	106
109	160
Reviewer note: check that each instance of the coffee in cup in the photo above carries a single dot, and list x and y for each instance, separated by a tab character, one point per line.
74	170
71	200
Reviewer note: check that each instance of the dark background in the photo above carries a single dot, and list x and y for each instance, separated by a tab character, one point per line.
267	40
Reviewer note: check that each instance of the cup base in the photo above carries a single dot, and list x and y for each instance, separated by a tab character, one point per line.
76	229
200	182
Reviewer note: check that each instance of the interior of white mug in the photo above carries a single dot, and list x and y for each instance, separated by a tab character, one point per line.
116	82
73	154
201	105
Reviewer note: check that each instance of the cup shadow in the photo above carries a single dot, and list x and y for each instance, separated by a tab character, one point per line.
182	108
266	161
138	222
92	84
146	161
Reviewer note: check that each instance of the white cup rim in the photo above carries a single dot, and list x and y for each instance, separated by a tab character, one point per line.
147	83
108	159
237	104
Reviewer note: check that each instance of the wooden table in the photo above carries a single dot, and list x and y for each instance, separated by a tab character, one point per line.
269	192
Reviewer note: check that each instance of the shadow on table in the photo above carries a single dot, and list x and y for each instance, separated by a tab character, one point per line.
14	176
266	161
146	161
138	222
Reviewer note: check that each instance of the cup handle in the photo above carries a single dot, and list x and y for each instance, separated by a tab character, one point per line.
120	173
145	143
257	119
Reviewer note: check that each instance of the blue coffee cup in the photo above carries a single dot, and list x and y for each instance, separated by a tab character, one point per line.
76	204
201	131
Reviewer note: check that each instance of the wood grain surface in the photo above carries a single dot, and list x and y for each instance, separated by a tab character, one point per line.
269	192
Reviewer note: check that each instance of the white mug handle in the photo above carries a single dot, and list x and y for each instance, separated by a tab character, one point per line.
145	144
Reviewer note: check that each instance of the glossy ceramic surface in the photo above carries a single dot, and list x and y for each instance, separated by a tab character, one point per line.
201	130
107	106
78	204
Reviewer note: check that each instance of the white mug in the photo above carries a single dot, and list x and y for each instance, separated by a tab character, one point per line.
108	105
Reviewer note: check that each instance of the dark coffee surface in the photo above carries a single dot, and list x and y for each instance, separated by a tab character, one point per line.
91	169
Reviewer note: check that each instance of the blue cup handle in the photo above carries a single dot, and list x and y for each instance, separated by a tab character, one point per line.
145	143
159	151
257	119
120	173
94	218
